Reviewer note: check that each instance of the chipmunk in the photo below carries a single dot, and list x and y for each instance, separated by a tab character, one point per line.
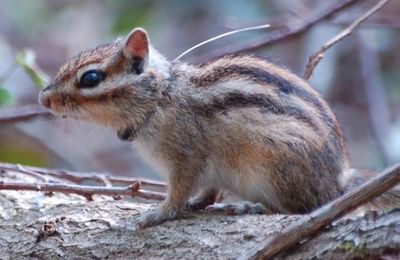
238	122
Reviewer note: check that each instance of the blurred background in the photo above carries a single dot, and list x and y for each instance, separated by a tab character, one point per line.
360	76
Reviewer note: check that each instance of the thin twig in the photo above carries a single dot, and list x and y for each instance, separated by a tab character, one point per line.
150	195
16	114
80	177
375	21
36	175
280	35
86	191
316	57
315	221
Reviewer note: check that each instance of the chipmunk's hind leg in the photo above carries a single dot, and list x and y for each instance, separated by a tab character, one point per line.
206	197
239	208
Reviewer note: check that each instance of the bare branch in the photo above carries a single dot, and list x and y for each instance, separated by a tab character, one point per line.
150	195
80	177
315	221
316	57
86	191
15	114
378	21
281	35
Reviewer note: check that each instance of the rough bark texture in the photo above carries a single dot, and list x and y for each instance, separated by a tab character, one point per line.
33	225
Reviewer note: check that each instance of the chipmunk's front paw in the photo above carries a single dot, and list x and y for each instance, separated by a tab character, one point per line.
155	217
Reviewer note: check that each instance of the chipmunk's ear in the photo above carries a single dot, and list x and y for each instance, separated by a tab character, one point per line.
137	44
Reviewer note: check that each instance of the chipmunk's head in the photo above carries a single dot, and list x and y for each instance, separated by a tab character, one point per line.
119	84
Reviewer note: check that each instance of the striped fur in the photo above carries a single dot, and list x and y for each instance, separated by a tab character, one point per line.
237	122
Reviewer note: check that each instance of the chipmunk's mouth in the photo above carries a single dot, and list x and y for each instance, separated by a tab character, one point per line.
53	106
58	112
62	114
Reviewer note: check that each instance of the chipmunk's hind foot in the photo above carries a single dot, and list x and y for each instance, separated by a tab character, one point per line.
238	208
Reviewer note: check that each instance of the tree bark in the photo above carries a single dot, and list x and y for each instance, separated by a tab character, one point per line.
34	225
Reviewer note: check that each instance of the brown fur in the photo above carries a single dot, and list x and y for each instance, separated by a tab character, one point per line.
90	56
240	123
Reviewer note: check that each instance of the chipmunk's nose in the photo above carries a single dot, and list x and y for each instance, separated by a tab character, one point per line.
44	98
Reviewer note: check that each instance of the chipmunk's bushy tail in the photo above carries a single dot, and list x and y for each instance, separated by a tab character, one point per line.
353	178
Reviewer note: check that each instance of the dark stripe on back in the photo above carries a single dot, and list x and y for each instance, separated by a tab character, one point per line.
261	76
238	99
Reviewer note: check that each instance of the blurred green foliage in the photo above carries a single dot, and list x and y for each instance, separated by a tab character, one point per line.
130	16
15	153
5	97
26	59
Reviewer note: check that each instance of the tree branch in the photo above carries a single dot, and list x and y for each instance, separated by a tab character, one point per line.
317	57
283	34
131	188
86	191
377	21
21	113
80	177
315	221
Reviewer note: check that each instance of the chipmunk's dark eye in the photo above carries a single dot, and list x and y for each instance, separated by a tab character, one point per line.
91	78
